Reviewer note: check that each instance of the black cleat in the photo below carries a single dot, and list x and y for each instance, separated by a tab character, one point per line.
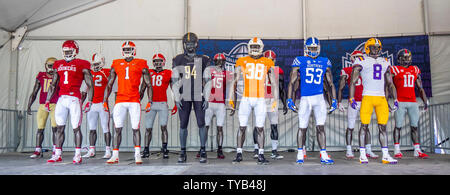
165	153
203	157
238	158
220	154
182	158
262	160
145	153
275	155
255	154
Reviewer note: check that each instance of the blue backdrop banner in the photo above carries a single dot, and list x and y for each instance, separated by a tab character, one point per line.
338	51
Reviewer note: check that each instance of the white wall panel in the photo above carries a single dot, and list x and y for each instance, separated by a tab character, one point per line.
343	18
5	64
238	18
122	18
439	15
440	67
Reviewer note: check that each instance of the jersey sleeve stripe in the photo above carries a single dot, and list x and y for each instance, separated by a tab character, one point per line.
296	63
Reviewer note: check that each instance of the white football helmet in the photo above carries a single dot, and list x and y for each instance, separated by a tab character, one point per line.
98	61
255	47
128	49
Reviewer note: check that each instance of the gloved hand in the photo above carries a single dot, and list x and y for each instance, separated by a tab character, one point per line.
174	110
353	103
291	105
148	107
205	105
333	106
233	108
274	105
47	106
105	106
87	107
395	108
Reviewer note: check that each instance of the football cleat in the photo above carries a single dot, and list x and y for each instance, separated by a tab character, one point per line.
203	157
363	160
182	158
238	158
371	155
113	160
54	159
326	161
275	155
90	154
262	160
420	155
388	160
36	155
220	154
255	154
145	153
165	153
138	159
398	155
300	161
107	155
77	159
349	155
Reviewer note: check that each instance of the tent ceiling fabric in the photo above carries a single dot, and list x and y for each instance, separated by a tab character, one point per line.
36	13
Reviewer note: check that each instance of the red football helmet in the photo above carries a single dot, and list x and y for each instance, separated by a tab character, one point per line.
356	54
70	50
159	60
271	55
219	59
128	49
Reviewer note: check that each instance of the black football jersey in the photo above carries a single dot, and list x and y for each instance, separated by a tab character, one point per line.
190	71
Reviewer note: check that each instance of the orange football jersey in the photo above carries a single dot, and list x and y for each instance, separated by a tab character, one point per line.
255	73
128	79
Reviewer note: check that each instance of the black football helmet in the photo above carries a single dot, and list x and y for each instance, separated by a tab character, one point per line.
190	42
404	57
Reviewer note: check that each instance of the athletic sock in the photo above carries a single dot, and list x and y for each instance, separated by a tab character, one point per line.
164	145
256	146
77	151
261	151
38	149
274	144
137	150
323	154
369	148
239	150
58	151
417	147
362	151
349	149
396	148
385	151
300	153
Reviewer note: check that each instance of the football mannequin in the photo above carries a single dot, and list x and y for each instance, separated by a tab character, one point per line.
100	76
191	85
42	83
161	79
254	68
70	73
407	78
313	71
376	79
128	71
272	115
353	113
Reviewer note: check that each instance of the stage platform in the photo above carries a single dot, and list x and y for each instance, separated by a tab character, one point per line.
20	164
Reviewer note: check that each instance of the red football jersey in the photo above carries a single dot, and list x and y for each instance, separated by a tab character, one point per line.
160	83
71	76
405	82
278	73
128	79
358	85
45	81
100	81
219	85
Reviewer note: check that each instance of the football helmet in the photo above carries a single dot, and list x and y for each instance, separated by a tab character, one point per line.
219	60
159	61
190	42
49	65
404	57
128	49
98	61
255	47
271	55
373	47
70	50
312	47
356	54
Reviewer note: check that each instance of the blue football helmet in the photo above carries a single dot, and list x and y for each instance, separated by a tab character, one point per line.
312	47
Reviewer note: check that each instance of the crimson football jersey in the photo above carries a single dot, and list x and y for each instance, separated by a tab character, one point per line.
100	81
278	73
219	85
71	76
358	85
45	82
160	83
405	82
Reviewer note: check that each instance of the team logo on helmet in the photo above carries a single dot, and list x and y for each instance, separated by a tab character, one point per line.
70	50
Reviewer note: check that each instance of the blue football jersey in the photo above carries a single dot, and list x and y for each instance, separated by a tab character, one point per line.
312	72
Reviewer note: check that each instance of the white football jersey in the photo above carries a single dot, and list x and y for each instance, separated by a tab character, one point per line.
372	74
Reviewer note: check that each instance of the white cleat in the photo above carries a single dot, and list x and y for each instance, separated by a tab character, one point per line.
36	155
388	160
349	155
77	159
113	160
363	160
107	155
372	155
90	154
138	159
